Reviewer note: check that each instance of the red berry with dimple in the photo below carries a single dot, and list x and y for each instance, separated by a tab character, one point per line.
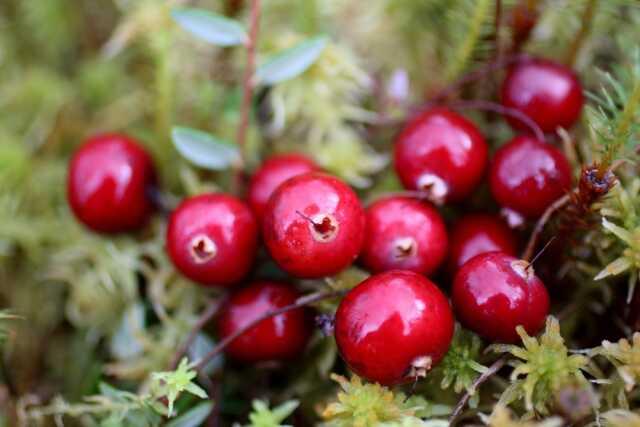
280	337
527	176
212	239
442	153
271	174
394	327
314	225
549	93
109	182
475	234
494	292
406	234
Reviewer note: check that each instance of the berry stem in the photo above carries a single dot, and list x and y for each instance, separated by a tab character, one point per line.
537	230
586	23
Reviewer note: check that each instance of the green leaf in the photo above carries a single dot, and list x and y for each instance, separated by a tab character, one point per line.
210	27
193	417
291	62
205	150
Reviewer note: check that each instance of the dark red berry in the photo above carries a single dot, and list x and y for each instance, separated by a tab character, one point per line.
495	292
279	337
404	233
476	234
109	183
549	93
212	239
527	175
441	153
314	225
394	327
271	174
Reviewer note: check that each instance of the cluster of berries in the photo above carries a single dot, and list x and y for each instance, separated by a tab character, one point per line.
397	324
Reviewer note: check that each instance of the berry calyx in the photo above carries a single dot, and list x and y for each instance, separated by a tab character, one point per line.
279	337
314	225
404	233
394	327
494	292
212	239
527	175
109	183
441	153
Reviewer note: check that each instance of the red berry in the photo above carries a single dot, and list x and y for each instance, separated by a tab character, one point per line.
476	234
495	292
527	175
279	337
109	183
314	225
549	93
441	153
271	174
404	233
212	239
394	327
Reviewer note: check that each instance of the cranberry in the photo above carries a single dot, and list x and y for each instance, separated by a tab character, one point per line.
314	225
476	234
271	174
109	181
549	93
394	327
528	175
212	239
404	233
279	337
494	292
441	153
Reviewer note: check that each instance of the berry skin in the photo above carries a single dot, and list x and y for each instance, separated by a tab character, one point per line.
212	239
314	225
495	292
108	184
549	93
394	327
527	176
271	174
279	337
404	233
442	153
475	234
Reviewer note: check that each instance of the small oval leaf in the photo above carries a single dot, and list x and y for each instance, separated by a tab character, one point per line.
210	27
291	62
204	150
194	417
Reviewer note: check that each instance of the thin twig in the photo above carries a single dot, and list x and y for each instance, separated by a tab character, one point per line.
497	24
537	230
586	23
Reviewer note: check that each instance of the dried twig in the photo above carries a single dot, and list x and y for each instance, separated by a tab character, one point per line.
537	230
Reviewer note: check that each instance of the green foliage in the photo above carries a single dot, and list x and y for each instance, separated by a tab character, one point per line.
262	416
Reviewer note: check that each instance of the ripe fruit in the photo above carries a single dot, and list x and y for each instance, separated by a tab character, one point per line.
527	175
549	93
314	225
109	183
441	153
475	234
404	233
212	239
495	292
394	327
271	174
279	337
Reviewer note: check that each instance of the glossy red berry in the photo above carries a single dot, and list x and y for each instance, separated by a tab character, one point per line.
475	234
314	225
109	182
527	175
280	337
549	93
441	153
404	233
271	174
212	239
495	292
394	327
